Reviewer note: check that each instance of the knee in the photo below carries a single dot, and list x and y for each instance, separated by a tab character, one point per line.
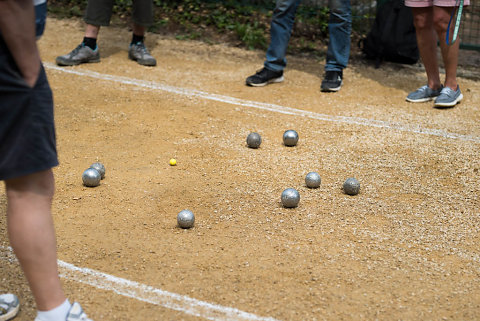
422	22
440	23
41	184
283	8
339	7
339	17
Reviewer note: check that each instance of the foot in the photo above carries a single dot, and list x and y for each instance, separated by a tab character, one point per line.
448	97
423	94
76	313
9	306
80	55
333	81
264	77
139	53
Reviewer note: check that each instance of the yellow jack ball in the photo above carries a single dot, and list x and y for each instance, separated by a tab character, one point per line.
173	162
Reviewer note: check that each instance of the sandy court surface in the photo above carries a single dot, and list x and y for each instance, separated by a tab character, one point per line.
405	248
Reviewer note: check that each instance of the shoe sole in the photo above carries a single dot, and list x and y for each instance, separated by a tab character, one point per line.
10	315
75	63
271	81
421	100
326	90
143	62
451	104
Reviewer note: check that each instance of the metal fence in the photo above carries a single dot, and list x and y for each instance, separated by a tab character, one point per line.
364	11
470	27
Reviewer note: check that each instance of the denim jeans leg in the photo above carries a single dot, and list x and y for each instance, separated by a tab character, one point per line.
339	29
280	31
40	19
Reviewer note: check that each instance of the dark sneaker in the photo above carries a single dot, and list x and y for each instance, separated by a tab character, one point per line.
139	53
9	306
264	77
80	55
423	94
332	81
448	97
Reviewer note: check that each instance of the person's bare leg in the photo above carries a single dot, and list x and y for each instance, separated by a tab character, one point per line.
92	31
32	235
427	44
139	30
441	16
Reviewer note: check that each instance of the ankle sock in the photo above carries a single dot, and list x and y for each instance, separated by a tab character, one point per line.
90	42
136	39
56	314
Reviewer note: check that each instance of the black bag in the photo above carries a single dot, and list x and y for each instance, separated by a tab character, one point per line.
392	37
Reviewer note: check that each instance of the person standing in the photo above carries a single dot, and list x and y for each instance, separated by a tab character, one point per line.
431	18
27	155
98	13
338	52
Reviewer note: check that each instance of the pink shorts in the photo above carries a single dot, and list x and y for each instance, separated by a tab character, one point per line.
430	3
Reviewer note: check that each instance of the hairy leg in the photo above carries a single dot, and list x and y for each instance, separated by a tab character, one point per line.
427	44
92	31
32	235
139	30
449	52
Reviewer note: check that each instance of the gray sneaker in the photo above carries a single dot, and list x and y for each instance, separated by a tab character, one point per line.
139	53
9	306
76	313
423	94
81	54
448	97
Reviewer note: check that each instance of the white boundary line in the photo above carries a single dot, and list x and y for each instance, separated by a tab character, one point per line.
145	293
179	302
265	106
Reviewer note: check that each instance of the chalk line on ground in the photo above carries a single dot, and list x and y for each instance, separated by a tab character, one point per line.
265	106
145	293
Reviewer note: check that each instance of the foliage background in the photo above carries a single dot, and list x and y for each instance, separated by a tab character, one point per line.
244	23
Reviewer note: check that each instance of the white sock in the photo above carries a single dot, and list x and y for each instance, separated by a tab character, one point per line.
56	314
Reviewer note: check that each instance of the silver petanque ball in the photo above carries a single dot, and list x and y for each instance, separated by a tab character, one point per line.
290	137
254	140
290	198
100	168
351	186
91	177
313	180
185	219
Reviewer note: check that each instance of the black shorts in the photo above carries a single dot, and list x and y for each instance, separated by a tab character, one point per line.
99	12
27	130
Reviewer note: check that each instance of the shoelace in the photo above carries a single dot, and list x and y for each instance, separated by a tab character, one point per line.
262	72
448	92
141	47
332	76
76	50
4	307
423	88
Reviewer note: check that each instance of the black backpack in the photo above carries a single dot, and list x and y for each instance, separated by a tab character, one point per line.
392	37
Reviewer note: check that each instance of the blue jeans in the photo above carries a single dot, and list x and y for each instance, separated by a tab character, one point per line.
339	27
40	19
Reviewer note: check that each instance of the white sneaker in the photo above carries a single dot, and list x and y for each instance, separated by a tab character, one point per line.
76	313
9	306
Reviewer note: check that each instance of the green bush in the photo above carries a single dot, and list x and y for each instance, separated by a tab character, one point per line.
251	35
244	22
